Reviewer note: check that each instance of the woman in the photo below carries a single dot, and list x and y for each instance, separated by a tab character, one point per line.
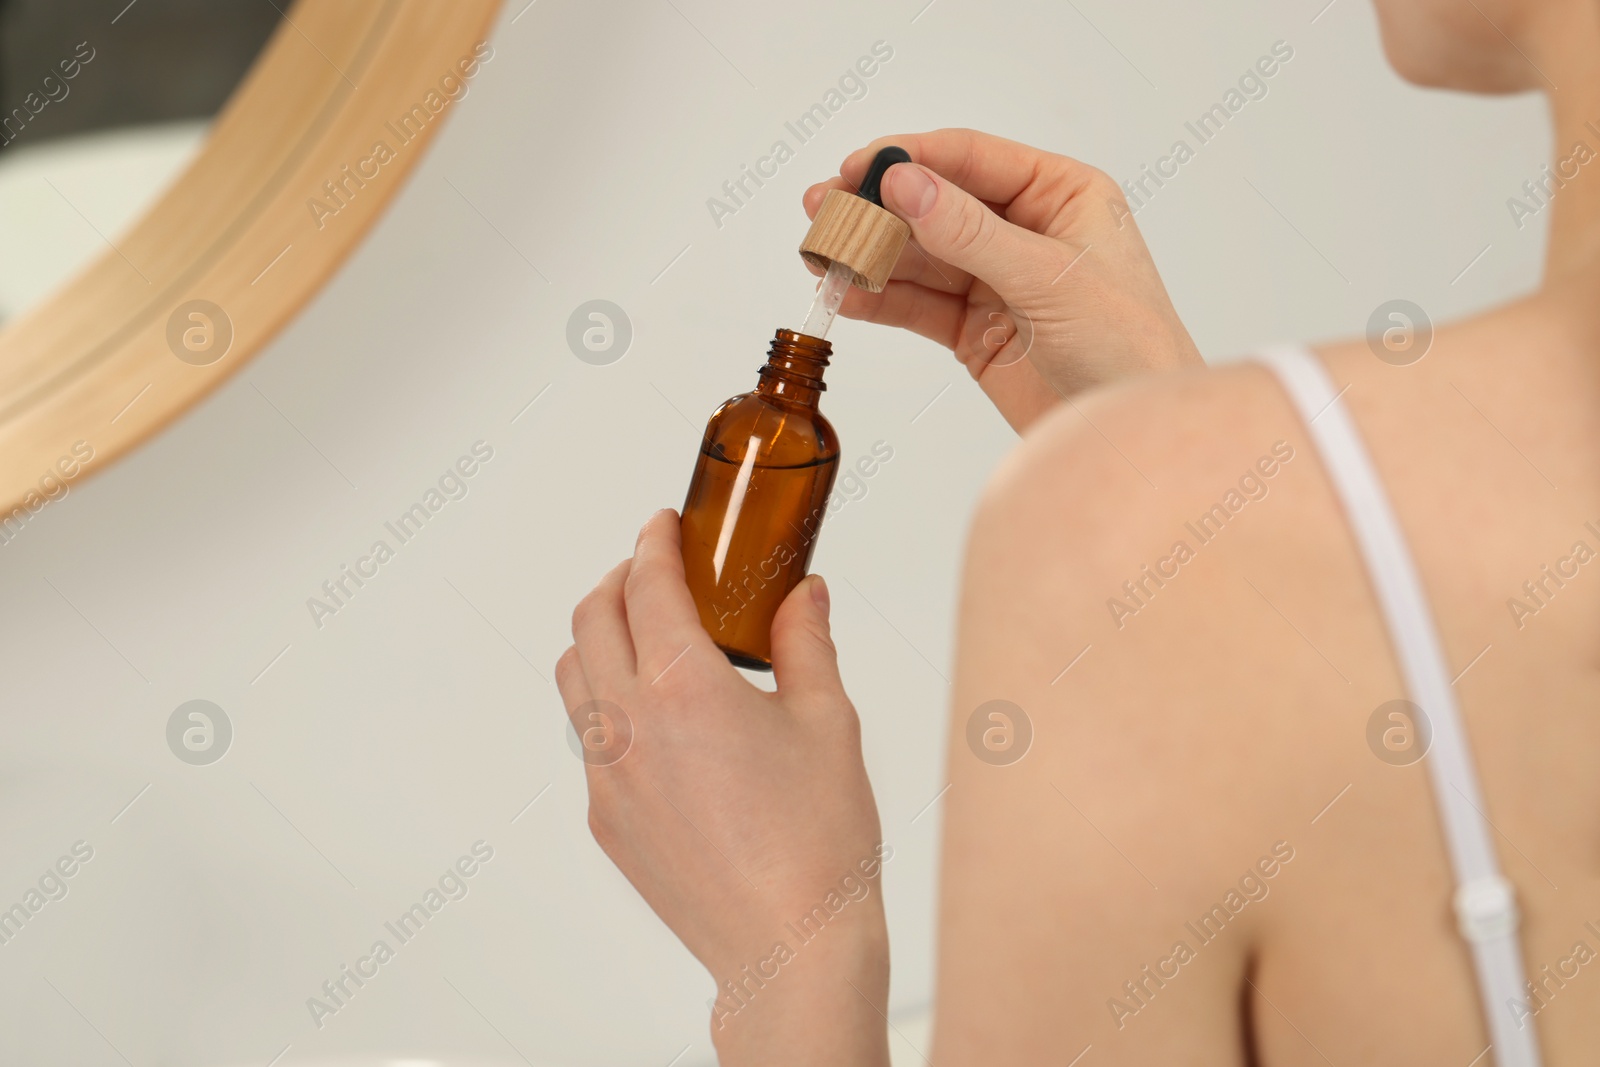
1221	847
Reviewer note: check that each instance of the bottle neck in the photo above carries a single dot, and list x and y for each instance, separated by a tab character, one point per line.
794	368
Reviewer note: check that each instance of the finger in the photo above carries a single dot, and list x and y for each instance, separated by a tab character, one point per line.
934	315
600	631
661	612
951	225
812	198
916	265
1023	183
990	335
805	664
571	683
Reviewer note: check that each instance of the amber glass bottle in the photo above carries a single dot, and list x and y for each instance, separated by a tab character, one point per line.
757	499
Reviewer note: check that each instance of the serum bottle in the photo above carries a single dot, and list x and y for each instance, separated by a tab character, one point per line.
767	461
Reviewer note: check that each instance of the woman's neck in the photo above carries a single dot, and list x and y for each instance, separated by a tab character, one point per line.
1570	74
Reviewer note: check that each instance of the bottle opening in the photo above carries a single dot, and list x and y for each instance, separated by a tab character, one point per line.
806	344
795	365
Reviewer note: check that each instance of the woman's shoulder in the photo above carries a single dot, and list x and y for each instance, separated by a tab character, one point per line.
1181	530
1158	445
1133	452
1181	534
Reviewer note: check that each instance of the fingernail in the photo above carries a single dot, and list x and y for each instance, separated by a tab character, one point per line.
819	592
911	190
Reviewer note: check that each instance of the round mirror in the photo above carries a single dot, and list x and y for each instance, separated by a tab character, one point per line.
177	177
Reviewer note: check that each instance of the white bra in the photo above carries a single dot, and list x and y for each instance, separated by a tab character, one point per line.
1486	909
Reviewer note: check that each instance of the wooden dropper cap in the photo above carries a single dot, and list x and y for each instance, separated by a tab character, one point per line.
857	230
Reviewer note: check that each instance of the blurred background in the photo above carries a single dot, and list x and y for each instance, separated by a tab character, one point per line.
356	757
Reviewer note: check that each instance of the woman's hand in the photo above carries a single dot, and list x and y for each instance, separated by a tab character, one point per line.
1030	269
744	818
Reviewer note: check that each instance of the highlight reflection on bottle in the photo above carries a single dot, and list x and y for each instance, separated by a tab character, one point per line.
757	499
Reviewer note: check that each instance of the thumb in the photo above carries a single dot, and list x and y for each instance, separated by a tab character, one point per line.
953	225
804	661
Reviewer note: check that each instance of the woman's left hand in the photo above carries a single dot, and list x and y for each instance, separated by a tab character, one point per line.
735	812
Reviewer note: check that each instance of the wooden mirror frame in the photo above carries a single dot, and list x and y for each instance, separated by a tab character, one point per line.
238	243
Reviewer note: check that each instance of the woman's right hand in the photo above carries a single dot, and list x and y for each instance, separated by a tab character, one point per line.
1027	265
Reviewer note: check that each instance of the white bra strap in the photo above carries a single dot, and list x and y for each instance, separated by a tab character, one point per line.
1485	905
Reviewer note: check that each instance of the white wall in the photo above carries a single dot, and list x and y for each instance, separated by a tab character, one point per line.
380	747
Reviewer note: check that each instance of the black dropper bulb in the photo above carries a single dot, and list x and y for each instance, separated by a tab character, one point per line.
871	186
